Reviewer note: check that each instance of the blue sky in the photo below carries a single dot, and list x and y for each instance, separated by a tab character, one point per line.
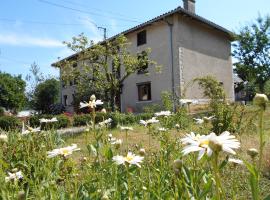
33	30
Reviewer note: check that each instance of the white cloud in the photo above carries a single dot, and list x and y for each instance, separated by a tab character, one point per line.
26	40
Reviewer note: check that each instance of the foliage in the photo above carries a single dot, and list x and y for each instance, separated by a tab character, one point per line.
2	111
251	50
211	88
167	102
12	90
63	121
152	108
34	78
45	95
57	109
81	120
103	67
8	123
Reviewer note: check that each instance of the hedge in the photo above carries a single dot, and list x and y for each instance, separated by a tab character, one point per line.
8	123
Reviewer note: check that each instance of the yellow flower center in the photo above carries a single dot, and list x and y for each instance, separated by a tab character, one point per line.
204	143
129	158
65	151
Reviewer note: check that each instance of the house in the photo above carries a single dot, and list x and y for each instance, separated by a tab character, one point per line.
186	46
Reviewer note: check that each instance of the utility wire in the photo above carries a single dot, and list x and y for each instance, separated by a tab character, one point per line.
84	6
86	12
51	23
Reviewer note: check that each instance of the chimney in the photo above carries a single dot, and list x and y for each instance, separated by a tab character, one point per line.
189	5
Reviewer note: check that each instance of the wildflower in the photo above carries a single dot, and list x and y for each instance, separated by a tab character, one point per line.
4	137
177	126
126	128
162	129
142	152
43	120
226	141
153	120
185	101
236	161
130	159
105	122
209	143
29	129
103	110
252	152
92	103
116	141
110	135
65	151
208	119
14	176
260	100
163	113
196	143
198	121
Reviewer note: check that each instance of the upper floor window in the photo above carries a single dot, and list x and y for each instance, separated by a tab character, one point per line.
143	62
141	38
144	91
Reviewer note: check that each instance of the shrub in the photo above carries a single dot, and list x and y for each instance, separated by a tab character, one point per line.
57	109
8	123
81	120
152	108
2	111
63	121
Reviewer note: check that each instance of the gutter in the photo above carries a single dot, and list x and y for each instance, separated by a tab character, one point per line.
171	60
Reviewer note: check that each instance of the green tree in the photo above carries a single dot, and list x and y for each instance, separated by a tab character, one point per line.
103	67
252	50
12	90
45	95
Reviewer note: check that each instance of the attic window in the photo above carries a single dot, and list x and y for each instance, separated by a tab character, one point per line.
141	38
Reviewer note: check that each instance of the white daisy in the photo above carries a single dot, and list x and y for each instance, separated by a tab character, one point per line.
92	103
208	118
198	121
153	120
43	120
196	143
65	151
4	137
29	129
14	176
227	141
209	143
115	141
163	113
162	129
126	128
105	122
130	159
235	161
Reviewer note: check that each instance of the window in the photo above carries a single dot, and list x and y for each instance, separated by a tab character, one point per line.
65	100
144	91
143	62
141	38
73	99
74	65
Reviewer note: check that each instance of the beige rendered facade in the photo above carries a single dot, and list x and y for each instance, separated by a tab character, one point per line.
186	46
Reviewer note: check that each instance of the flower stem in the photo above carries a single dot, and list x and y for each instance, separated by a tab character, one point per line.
261	131
219	189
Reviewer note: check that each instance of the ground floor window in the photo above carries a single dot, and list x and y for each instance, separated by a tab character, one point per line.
144	91
65	100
